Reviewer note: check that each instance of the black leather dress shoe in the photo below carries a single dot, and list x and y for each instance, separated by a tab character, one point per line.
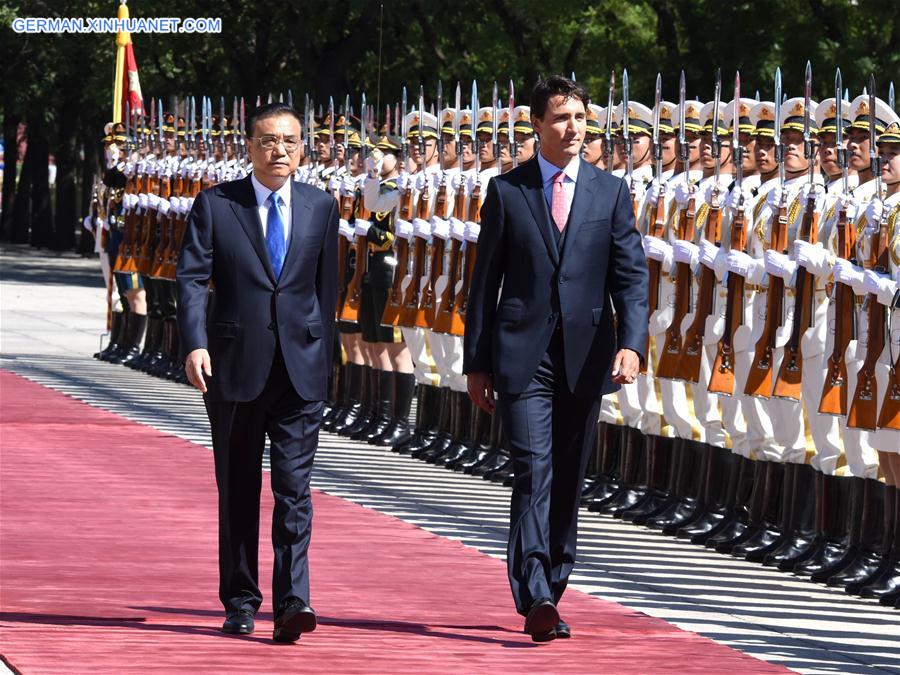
542	620
295	617
562	630
239	623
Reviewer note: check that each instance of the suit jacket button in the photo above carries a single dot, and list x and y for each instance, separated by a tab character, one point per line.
272	326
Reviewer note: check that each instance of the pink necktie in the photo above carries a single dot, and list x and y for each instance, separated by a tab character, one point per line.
559	208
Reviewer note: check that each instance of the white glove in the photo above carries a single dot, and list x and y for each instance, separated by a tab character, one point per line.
653	191
457	229
738	262
815	191
685	252
472	231
657	249
440	228
361	227
737	197
683	193
373	165
423	181
403	228
143	200
403	182
458	181
848	203
711	191
708	253
639	190
88	223
153	200
163	206
773	199
779	265
345	229
810	256
879	285
421	228
873	212
348	186
849	274
190	204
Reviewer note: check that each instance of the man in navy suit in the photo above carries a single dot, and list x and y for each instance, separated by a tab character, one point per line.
557	253
257	286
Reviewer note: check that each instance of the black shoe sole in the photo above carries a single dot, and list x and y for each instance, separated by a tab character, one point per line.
542	619
291	629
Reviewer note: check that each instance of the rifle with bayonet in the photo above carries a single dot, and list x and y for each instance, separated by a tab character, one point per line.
721	380
759	380
692	347
353	295
863	412
445	315
787	382
391	314
671	351
657	224
627	146
607	132
843	304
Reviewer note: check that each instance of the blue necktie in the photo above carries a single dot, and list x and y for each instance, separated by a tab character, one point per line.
275	234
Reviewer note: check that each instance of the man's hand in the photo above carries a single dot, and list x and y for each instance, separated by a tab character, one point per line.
625	367
481	391
196	364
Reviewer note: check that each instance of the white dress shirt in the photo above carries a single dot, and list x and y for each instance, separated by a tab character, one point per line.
549	170
262	204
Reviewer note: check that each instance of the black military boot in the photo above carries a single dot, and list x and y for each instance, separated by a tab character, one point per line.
633	468
747	518
386	402
137	325
495	456
876	547
860	509
768	534
675	450
656	471
356	384
399	430
462	430
596	480
479	429
886	588
370	406
833	524
885	579
714	494
691	470
337	397
799	524
443	438
614	454
428	415
152	350
116	335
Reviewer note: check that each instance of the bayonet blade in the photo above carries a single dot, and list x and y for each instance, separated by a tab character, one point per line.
657	98
456	118
807	100
717	99
682	102
626	118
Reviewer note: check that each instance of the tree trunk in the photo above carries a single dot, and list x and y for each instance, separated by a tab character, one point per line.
41	209
10	126
65	222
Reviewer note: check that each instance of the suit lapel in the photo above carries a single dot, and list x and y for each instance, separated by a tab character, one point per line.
300	221
533	190
581	202
248	216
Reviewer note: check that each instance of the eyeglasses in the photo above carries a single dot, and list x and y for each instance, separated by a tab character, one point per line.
269	141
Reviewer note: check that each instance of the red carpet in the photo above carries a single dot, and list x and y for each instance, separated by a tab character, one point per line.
108	552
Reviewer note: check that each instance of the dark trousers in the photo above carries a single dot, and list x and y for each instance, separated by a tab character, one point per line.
238	432
551	435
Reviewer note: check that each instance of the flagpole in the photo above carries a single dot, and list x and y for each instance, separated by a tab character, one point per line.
122	39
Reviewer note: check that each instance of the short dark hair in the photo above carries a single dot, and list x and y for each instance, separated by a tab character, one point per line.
264	112
555	85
